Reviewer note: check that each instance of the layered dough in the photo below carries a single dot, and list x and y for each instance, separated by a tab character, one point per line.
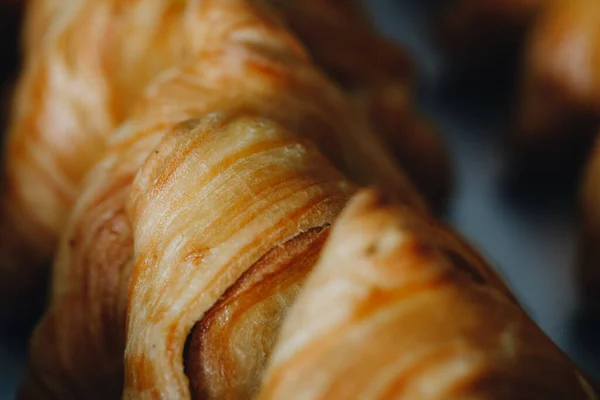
255	188
227	271
195	231
229	347
251	66
87	64
386	314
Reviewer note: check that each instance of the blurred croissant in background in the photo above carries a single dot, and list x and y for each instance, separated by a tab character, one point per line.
557	104
557	114
86	64
235	281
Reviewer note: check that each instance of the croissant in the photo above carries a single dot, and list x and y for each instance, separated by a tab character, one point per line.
222	261
559	110
477	32
237	240
250	65
387	315
102	50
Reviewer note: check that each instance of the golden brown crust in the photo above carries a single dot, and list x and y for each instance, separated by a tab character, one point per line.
386	314
250	66
58	134
229	348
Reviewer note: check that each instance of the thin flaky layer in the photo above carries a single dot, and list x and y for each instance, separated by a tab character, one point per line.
229	347
214	198
85	65
386	314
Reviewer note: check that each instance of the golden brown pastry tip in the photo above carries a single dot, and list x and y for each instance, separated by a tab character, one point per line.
476	33
379	75
559	97
86	64
386	315
249	65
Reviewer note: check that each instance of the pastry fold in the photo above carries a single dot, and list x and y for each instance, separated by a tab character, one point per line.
386	314
209	206
86	65
251	65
